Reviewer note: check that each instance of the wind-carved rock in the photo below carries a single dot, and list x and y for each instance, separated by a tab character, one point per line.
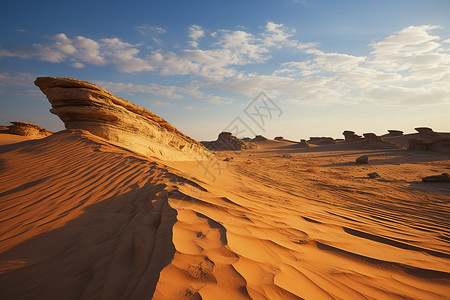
27	129
83	105
226	141
350	136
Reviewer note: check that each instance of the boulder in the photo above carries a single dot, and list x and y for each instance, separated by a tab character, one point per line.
364	159
374	175
426	131
444	177
28	129
83	105
226	141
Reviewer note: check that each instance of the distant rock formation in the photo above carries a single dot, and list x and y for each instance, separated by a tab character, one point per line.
246	139
350	136
26	129
321	140
259	138
304	143
278	138
426	131
394	133
83	105
226	141
441	145
372	141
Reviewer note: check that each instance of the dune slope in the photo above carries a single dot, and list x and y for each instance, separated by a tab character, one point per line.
81	218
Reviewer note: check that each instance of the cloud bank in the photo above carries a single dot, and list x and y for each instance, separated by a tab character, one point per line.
411	65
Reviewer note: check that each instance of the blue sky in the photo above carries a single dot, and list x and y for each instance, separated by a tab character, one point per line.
330	66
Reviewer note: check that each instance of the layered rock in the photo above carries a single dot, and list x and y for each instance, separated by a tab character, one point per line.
350	136
226	141
27	129
83	105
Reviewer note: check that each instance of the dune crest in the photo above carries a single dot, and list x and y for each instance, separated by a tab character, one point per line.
83	105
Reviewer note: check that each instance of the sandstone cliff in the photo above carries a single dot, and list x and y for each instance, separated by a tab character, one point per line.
83	105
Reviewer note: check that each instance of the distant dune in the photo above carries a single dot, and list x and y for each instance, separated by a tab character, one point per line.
91	215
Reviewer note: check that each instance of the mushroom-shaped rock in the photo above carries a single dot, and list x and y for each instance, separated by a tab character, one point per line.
83	105
426	131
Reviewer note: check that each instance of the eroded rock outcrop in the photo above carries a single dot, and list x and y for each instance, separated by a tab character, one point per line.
226	141
26	129
83	105
350	136
372	141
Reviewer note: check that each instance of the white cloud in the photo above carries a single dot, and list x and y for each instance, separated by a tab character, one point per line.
147	30
18	79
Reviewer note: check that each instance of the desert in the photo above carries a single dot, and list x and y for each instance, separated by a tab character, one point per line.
122	205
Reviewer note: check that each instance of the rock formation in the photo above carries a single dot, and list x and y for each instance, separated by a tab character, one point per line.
426	131
259	138
372	141
26	129
226	141
350	136
394	133
304	143
321	140
83	105
278	138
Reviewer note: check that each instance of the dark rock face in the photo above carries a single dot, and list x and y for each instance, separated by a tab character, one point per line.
226	141
444	177
27	129
364	159
441	145
321	140
350	136
426	131
278	138
83	105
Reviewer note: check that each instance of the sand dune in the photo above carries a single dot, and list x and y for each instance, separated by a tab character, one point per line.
84	219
